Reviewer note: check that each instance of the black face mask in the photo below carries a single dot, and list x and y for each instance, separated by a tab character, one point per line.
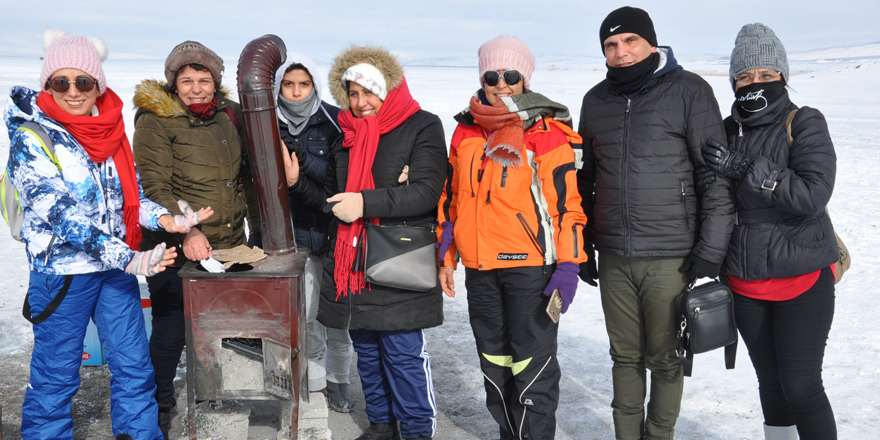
756	97
630	79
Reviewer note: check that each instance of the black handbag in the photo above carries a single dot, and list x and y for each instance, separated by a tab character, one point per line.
400	256
706	322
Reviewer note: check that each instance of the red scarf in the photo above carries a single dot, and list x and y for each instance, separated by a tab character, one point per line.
103	136
362	138
205	110
507	137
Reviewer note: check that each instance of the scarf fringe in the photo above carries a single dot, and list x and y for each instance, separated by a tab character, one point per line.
346	279
505	155
133	234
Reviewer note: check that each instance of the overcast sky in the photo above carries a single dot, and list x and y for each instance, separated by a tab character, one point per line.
418	29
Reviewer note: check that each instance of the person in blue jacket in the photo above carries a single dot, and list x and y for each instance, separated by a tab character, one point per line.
83	209
308	128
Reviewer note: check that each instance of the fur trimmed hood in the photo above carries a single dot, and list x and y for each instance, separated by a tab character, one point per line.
151	96
373	55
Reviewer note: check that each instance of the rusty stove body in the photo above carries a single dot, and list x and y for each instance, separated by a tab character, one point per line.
263	304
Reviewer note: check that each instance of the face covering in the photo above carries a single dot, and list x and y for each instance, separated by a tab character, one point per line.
297	113
756	97
630	79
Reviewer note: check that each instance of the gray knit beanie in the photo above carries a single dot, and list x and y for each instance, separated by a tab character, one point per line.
757	47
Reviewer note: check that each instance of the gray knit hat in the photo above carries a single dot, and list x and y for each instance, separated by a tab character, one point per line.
757	47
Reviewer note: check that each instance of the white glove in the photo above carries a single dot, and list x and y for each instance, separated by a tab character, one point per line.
147	263
350	206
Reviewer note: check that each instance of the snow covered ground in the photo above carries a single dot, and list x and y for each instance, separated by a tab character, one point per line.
717	404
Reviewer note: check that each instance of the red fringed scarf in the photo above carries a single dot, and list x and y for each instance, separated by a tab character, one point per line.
362	138
103	136
507	136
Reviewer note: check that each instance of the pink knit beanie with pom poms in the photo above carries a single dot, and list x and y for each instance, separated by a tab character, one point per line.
73	52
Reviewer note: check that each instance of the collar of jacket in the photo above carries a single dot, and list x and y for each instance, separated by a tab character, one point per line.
150	96
668	63
774	112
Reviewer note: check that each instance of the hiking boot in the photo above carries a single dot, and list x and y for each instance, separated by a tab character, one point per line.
165	417
381	431
338	398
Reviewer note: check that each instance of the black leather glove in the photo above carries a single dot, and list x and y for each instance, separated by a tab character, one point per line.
255	239
696	267
722	160
589	272
703	179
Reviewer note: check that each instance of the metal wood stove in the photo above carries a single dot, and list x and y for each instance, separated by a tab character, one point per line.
251	323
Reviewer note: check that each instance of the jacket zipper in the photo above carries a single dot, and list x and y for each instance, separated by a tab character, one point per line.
504	176
684	204
531	234
49	249
623	173
574	233
473	194
740	140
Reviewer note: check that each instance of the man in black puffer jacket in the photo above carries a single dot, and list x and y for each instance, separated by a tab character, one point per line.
643	128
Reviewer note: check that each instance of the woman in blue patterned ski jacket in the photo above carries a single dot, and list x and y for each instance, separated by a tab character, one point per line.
82	215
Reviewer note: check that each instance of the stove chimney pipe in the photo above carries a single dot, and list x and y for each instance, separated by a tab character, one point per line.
257	65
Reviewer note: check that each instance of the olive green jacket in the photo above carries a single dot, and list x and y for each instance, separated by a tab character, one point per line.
181	157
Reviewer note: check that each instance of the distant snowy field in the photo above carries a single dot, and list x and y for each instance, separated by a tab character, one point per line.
718	404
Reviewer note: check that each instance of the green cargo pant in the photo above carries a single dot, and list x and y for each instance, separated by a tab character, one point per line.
637	298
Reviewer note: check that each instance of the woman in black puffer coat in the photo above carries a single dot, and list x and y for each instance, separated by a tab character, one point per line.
389	170
783	249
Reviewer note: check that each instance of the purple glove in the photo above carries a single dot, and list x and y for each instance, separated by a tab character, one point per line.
446	239
565	278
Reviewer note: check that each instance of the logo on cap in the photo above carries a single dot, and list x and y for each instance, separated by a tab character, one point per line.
615	28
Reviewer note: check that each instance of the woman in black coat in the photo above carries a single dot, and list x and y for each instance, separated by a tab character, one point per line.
389	170
783	249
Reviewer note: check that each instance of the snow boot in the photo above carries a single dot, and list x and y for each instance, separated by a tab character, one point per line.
165	417
780	432
381	431
338	398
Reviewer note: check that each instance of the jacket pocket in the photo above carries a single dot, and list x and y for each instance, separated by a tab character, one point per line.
531	234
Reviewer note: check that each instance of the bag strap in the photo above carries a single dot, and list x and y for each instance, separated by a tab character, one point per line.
43	137
232	118
730	354
687	362
788	121
26	308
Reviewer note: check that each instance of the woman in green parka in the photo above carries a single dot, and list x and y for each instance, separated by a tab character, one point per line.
190	144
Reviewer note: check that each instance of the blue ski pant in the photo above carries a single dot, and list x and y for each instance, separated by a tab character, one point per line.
111	298
396	376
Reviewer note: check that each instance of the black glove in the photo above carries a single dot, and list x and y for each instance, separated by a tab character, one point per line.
295	147
255	239
703	179
589	272
696	267
729	163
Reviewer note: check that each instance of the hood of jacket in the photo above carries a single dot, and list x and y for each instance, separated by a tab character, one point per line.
311	67
373	55
150	96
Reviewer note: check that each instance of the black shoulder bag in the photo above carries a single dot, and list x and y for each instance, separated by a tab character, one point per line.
400	256
706	322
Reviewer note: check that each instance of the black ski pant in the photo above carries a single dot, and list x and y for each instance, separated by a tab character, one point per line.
169	333
786	342
516	343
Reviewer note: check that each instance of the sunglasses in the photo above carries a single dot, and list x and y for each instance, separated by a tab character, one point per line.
62	85
511	77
